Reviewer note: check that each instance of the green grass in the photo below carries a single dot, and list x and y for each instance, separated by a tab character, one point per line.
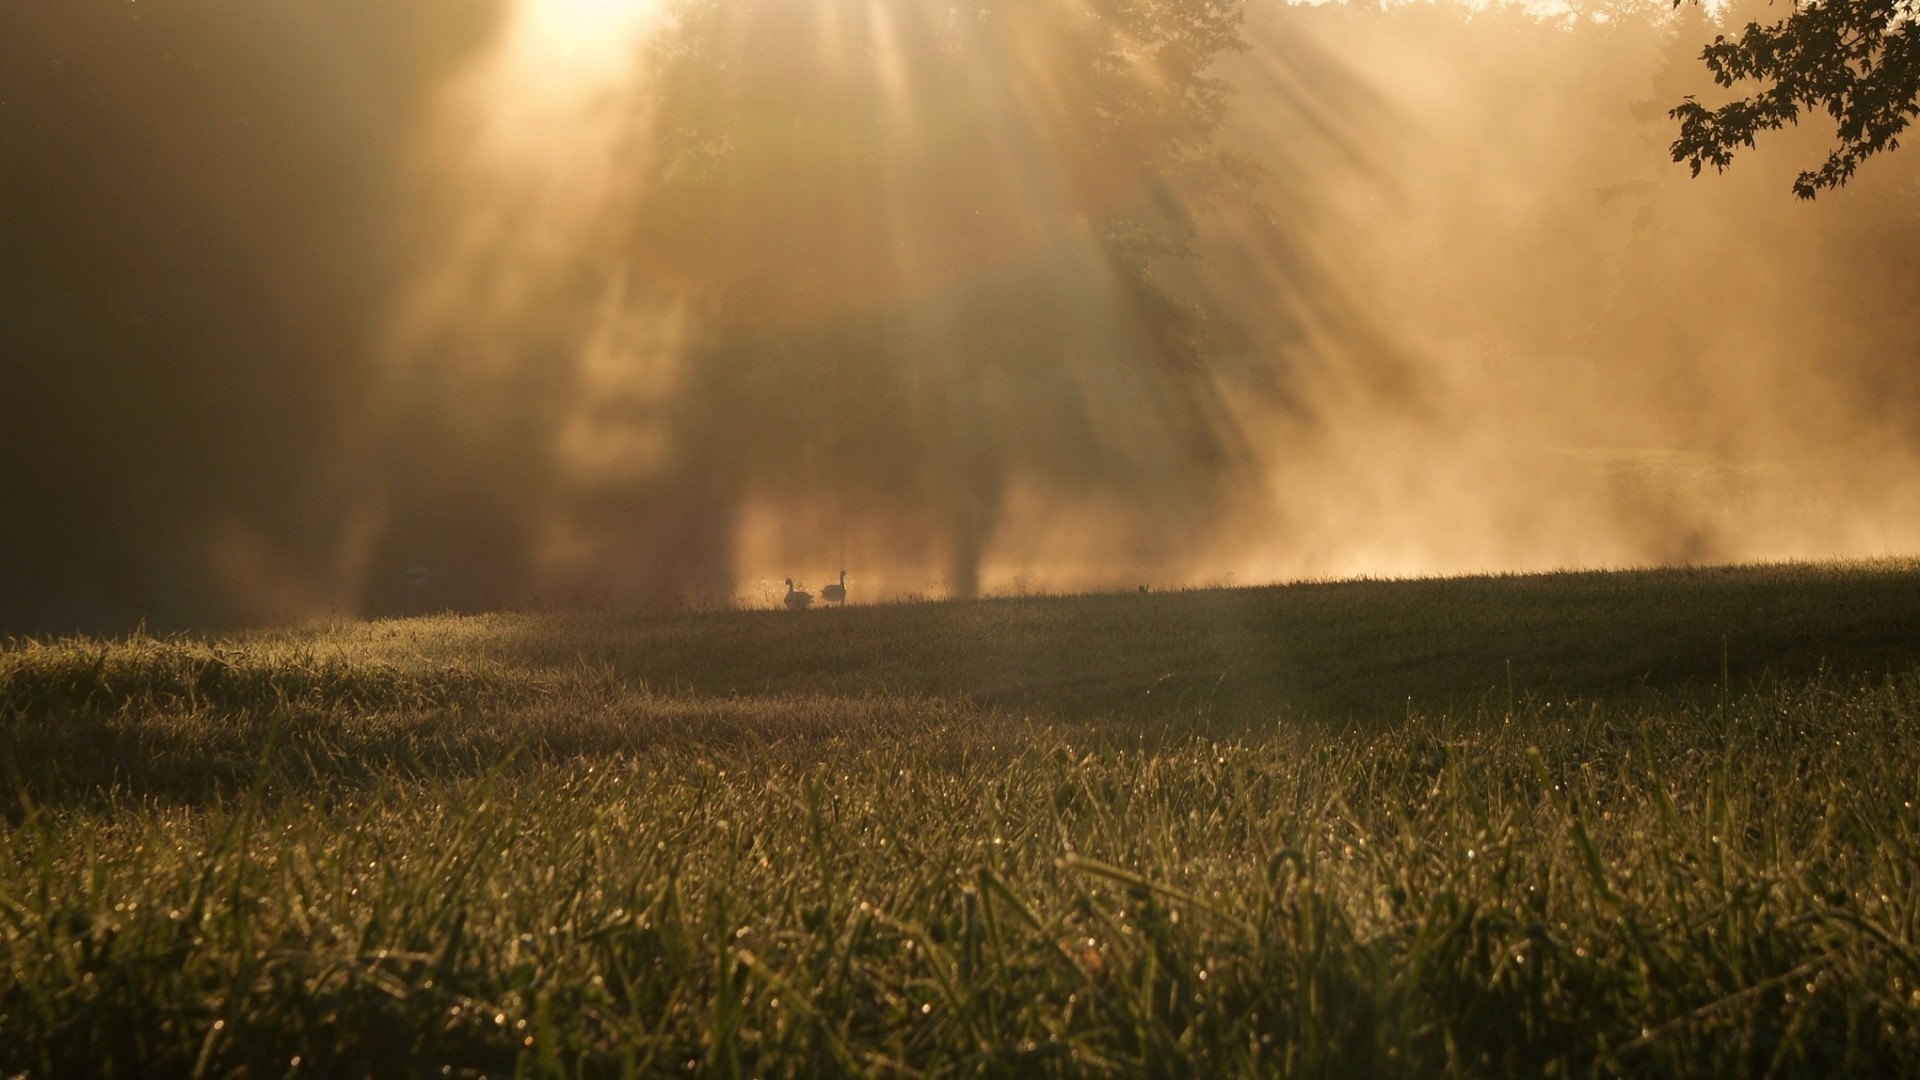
1652	823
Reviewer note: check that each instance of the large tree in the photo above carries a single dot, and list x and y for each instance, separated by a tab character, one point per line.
929	251
1858	61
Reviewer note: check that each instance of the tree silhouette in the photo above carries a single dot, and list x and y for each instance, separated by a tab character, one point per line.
1858	61
931	248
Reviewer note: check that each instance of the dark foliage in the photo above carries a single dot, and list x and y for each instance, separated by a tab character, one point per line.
1858	61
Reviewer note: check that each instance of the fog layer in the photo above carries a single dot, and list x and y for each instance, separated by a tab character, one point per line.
362	308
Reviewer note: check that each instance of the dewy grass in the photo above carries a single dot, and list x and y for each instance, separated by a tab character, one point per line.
563	872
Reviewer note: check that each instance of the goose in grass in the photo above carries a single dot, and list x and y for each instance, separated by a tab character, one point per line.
836	594
797	600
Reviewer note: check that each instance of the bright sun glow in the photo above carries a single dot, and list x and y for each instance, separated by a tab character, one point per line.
570	38
556	63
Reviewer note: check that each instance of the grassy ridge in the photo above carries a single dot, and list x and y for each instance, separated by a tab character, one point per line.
1318	829
1344	649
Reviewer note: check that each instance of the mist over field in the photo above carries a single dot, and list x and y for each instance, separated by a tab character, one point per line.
373	307
430	431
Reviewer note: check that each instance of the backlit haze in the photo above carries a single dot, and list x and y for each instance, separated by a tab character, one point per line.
354	308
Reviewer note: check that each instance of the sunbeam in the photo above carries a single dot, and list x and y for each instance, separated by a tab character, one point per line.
612	303
577	40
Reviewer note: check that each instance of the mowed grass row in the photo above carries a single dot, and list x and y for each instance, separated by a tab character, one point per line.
468	847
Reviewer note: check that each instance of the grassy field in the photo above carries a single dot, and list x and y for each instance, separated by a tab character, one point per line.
1652	823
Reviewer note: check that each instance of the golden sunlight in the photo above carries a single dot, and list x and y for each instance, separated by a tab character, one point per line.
554	45
967	306
536	100
623	302
584	29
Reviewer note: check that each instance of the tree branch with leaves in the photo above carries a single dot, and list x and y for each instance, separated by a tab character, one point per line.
1858	61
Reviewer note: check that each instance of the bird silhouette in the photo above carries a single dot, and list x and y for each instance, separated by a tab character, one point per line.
797	600
836	594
